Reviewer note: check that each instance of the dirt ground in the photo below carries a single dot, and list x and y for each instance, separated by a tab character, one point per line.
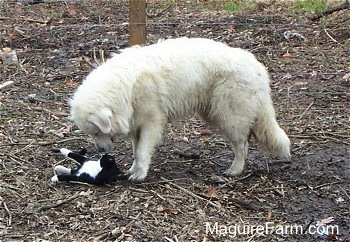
186	197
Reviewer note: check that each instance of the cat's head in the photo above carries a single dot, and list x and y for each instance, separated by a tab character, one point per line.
107	160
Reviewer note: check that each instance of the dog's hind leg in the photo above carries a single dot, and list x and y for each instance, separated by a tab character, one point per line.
241	151
237	130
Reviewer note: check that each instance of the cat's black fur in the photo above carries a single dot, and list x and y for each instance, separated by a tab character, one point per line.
96	170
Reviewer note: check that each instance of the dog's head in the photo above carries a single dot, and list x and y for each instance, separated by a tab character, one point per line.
102	124
101	106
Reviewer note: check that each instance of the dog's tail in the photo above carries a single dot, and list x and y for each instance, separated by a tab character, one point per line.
269	134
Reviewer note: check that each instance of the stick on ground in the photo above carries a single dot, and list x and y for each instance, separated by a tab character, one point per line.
59	203
191	193
343	6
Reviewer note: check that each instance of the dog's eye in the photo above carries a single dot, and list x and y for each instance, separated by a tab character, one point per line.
112	139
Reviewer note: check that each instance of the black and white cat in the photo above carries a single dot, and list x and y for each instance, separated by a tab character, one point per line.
95	170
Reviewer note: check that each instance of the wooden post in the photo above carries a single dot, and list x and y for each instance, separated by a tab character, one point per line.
137	22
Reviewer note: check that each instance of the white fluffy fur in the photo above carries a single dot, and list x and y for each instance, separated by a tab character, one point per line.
138	91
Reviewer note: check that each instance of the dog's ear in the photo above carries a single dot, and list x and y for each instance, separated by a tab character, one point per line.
102	119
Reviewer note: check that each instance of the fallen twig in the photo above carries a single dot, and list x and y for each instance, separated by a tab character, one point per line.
5	84
60	141
236	180
308	107
158	182
22	149
18	159
334	40
343	6
45	143
117	233
25	19
191	193
160	13
14	144
279	162
244	204
9	220
343	190
59	203
326	184
187	155
45	110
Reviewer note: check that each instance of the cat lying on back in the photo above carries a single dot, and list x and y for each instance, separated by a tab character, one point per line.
94	170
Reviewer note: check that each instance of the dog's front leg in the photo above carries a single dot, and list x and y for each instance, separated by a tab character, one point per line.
135	141
144	144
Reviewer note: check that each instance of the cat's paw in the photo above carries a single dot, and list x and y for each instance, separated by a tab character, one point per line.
65	152
54	180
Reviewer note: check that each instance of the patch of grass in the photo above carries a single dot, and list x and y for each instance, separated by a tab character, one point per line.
229	5
313	6
238	5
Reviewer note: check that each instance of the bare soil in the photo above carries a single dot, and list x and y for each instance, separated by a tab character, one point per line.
57	43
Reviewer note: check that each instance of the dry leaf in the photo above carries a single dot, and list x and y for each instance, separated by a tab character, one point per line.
287	76
212	192
287	54
346	76
269	214
8	56
232	29
168	211
325	221
62	132
70	82
205	132
71	11
300	83
86	193
6	49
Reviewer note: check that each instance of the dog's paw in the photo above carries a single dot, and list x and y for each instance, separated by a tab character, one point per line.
233	172
137	175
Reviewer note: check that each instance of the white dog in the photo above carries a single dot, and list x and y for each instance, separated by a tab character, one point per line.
137	92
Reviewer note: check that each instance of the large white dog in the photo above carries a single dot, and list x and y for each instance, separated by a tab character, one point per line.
137	92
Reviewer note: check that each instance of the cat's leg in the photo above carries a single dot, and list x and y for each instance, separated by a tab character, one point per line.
59	170
77	157
72	177
64	177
